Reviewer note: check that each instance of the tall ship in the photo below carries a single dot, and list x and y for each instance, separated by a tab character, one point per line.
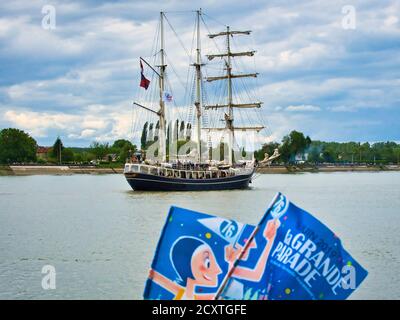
201	153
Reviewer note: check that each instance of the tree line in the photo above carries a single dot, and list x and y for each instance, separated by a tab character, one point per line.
16	146
295	147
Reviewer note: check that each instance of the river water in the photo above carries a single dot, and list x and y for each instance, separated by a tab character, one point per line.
100	236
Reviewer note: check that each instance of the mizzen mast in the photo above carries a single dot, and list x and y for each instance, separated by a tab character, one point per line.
230	105
161	112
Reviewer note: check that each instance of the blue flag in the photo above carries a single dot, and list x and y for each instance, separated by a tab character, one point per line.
293	256
193	255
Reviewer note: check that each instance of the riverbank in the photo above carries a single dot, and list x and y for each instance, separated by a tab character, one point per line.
327	168
69	170
57	170
5	171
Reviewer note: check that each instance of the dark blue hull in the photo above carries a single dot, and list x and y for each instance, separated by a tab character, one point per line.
142	181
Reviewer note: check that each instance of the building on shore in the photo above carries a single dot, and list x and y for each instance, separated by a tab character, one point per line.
42	152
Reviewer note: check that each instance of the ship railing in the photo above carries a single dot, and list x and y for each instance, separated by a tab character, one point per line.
184	174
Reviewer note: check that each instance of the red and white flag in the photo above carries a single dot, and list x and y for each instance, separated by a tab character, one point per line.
144	82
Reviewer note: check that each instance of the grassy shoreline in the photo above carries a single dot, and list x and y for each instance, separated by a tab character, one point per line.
21	170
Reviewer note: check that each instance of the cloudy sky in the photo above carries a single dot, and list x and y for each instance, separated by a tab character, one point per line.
322	73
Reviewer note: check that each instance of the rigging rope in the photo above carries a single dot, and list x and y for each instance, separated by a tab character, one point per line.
179	39
242	92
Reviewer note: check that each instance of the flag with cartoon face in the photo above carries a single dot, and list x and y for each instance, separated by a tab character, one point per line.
293	256
193	255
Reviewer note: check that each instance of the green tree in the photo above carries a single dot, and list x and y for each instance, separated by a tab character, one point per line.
314	156
168	133
99	150
347	152
57	150
188	131
182	131
315	151
175	135
78	157
328	156
16	146
222	147
122	148
150	133
124	152
157	131
121	143
266	148
293	144
143	138
68	155
87	156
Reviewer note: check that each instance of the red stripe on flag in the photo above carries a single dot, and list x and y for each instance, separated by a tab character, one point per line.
144	83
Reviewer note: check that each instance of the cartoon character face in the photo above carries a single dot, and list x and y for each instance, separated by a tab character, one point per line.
205	267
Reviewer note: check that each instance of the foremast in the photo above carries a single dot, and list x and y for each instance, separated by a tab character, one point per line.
230	105
162	148
161	112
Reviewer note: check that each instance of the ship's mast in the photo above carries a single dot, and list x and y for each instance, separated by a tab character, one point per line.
229	116
198	101
162	66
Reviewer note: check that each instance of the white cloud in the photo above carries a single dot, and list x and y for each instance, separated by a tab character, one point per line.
80	78
300	57
342	109
39	123
303	108
24	37
391	20
87	133
84	126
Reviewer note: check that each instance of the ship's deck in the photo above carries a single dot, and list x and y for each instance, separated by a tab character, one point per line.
195	173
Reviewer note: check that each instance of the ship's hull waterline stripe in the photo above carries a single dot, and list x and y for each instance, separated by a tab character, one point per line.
191	183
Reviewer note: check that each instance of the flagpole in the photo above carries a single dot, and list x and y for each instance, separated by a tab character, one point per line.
246	246
148	109
148	64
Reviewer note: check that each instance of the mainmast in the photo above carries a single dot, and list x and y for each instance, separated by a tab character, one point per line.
229	116
230	105
198	101
162	133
